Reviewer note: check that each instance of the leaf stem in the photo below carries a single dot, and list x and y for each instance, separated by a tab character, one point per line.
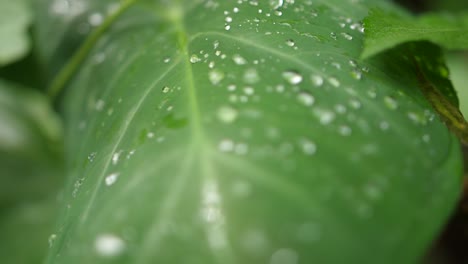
66	73
449	113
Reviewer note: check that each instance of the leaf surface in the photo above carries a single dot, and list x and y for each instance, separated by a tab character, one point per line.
15	18
245	132
385	30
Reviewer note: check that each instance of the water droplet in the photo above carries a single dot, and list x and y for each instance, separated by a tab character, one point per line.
426	138
293	77
115	158
227	27
227	114
95	19
228	19
167	60
384	125
309	232
345	130
306	98
334	82
194	58
111	179
226	145
109	245
166	89
251	76
216	76
238	59
275	4
284	256
99	105
308	147
91	156
347	36
325	116
390	102
249	90
52	239
317	80
290	43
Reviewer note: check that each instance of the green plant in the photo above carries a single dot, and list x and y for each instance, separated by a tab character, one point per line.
242	131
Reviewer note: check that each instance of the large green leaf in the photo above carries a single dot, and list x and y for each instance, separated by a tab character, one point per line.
244	132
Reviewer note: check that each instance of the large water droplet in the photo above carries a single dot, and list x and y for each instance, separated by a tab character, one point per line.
290	43
109	245
111	179
292	77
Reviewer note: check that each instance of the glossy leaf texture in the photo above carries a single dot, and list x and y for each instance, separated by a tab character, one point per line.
244	132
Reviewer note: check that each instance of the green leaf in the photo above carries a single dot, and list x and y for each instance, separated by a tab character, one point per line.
458	64
245	132
30	145
15	18
385	30
31	172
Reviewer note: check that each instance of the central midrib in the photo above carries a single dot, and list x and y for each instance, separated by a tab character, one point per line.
177	18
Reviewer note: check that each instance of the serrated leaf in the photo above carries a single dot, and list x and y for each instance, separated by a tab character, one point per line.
234	132
15	18
385	30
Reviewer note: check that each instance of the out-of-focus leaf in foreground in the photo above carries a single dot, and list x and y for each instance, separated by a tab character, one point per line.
30	145
385	30
244	132
15	18
31	172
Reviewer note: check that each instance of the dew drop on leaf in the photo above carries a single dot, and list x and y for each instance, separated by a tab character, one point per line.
284	256
292	77
290	43
317	80
238	59
194	58
227	114
215	76
306	98
109	245
390	103
166	89
111	179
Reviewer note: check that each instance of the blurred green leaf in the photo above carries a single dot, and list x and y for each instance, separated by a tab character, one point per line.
458	65
385	30
244	132
30	144
25	230
15	18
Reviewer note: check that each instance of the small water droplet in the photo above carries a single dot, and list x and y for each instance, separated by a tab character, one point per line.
238	59
95	19
334	82
284	256
308	147
91	156
345	130
227	114
317	80
290	43
226	145
306	98
99	105
292	77
52	239
249	90
228	19
390	102
109	245
194	58
216	76
111	179
347	36
166	89
115	158
251	76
